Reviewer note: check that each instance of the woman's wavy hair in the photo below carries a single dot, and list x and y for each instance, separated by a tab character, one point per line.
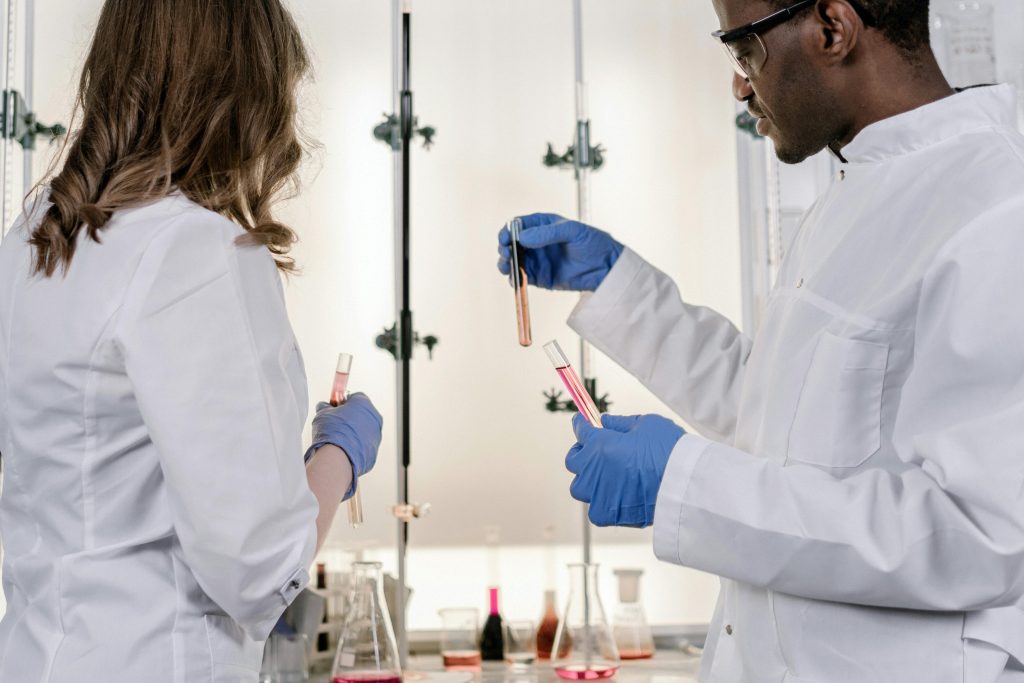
197	96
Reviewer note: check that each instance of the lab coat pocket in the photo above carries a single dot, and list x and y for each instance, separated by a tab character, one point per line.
234	656
838	421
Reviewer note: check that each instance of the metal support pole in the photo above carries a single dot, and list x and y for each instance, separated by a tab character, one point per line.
28	171
402	28
7	150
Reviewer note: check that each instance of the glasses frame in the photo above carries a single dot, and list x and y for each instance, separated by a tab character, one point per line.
756	28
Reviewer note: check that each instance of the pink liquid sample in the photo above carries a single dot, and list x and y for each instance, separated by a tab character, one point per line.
382	677
461	660
580	397
338	391
580	672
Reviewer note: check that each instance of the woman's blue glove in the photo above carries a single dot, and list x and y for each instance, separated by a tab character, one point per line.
354	427
561	254
619	468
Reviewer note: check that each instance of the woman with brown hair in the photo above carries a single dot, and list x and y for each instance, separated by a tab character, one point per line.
155	515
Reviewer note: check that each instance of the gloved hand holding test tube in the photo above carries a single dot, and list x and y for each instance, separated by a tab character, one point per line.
338	396
571	380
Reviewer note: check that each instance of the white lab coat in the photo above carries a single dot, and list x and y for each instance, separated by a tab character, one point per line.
861	486
155	515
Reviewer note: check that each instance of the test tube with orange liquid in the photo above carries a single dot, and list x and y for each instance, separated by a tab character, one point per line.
338	396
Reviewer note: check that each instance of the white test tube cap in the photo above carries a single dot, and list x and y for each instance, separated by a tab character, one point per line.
344	363
629	584
556	355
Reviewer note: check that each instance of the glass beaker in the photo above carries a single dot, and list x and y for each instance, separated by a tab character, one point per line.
460	638
520	644
633	634
592	654
969	31
367	652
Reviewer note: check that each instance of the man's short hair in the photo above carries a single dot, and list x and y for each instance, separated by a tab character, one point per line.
904	22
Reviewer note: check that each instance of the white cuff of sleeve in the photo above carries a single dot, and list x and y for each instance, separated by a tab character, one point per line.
668	510
595	307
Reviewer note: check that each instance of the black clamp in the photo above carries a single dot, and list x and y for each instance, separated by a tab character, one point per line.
21	125
389	131
388	340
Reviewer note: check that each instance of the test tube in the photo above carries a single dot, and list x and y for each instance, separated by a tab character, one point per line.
520	284
580	396
338	396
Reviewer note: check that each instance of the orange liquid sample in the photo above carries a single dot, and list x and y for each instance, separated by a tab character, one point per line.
643	653
338	390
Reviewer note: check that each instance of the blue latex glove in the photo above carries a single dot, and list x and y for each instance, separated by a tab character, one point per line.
619	468
561	254
354	427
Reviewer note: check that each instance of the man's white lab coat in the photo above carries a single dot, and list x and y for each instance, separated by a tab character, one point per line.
155	514
861	485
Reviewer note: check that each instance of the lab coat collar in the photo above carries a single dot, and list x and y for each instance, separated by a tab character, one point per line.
933	123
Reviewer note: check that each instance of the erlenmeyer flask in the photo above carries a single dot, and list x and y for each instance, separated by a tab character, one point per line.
632	632
367	652
591	654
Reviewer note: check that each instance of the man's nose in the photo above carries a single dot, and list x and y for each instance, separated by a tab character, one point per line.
741	89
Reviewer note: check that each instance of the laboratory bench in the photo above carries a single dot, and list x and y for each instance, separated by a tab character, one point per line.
666	667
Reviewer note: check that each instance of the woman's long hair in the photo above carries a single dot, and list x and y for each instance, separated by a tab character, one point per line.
197	96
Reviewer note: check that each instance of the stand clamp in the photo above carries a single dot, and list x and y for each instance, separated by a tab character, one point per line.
388	340
389	131
410	511
21	125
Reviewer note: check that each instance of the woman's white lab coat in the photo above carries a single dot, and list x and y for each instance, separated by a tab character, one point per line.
155	515
861	486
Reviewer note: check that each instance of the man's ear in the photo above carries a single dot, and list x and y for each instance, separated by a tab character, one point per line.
836	30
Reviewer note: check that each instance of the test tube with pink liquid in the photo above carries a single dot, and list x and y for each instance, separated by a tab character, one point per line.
571	380
339	392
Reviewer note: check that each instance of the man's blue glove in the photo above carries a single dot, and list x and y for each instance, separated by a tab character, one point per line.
561	254
354	427
619	468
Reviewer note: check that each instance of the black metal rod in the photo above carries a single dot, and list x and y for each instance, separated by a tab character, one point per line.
406	322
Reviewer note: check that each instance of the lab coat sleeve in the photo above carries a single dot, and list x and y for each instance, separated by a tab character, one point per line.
691	358
220	385
947	532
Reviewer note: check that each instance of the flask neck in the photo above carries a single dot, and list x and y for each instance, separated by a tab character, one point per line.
494	600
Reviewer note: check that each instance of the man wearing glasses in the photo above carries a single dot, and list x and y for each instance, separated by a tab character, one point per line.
859	481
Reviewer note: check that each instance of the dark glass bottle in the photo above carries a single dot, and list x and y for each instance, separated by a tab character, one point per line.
492	639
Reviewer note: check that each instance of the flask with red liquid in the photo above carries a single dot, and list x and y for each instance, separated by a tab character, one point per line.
548	627
367	650
592	654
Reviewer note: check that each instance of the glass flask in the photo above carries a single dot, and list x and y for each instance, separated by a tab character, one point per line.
591	654
633	634
367	652
548	626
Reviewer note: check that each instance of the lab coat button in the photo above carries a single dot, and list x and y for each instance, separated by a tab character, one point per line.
800	284
728	629
842	175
